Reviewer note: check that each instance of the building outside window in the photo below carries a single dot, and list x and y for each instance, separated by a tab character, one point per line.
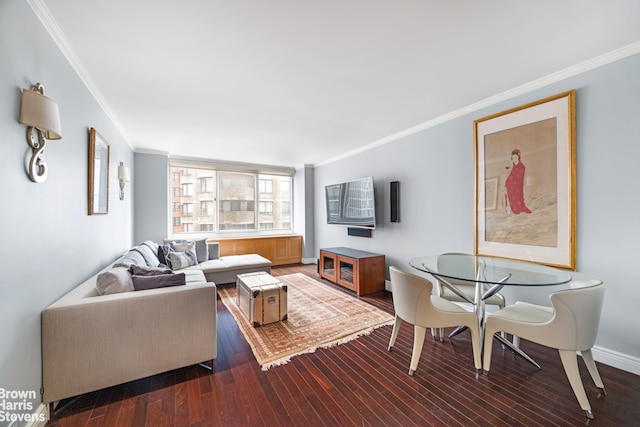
225	201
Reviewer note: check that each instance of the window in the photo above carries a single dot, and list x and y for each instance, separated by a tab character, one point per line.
204	199
206	207
266	208
266	186
206	184
187	190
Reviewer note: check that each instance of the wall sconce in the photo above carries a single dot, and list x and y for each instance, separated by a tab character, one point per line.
123	176
39	113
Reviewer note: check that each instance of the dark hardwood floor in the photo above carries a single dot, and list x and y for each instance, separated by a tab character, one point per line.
360	383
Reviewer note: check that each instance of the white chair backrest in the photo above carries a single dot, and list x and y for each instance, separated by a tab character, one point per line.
410	293
577	314
453	266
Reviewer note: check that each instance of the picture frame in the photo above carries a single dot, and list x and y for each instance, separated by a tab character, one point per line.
99	157
525	197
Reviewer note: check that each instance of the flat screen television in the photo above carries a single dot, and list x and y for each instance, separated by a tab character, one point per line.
351	203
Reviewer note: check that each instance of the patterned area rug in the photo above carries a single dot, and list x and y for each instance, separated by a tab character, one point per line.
318	317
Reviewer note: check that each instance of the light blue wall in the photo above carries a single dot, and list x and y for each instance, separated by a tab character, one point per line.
435	168
151	188
50	244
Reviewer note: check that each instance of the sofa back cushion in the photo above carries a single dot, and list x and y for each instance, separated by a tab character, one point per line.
150	255
130	258
214	250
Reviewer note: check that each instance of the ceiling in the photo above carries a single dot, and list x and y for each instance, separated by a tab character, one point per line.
294	82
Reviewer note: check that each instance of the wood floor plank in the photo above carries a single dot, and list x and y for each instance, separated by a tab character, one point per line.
359	383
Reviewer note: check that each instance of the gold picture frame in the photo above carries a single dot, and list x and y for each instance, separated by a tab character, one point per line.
99	157
529	153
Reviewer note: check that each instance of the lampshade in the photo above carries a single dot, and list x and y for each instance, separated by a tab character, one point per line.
40	112
123	173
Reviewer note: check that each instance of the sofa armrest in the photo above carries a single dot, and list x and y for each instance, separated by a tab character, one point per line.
97	342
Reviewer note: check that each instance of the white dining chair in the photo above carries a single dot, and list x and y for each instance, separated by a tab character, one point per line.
414	304
569	325
466	291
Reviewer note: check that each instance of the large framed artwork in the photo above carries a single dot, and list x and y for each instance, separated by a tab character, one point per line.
525	200
99	151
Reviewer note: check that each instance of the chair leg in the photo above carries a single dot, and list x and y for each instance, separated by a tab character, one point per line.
587	357
419	333
570	363
394	332
487	349
437	333
516	341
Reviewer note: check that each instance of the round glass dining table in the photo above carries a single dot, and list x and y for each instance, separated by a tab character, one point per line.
489	275
490	270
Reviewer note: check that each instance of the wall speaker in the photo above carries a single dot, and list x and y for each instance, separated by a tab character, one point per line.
360	232
395	201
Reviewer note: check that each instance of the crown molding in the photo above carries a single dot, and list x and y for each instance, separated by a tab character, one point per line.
44	15
574	70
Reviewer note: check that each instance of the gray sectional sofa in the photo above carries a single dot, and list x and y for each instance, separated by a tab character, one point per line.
105	332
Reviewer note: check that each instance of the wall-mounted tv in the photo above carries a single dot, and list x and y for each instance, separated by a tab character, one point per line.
351	203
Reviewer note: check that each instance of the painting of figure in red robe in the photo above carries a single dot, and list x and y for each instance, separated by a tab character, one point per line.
514	185
521	163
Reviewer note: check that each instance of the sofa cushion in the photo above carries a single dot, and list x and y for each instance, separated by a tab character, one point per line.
143	270
202	250
142	283
152	245
130	258
150	258
247	260
234	262
113	281
214	250
212	265
194	276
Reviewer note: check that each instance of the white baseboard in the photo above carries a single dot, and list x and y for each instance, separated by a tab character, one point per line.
617	360
309	261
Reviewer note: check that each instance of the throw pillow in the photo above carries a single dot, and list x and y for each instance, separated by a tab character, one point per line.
140	270
178	260
141	283
183	246
163	254
114	281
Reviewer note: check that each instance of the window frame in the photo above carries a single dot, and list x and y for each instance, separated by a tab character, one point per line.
234	229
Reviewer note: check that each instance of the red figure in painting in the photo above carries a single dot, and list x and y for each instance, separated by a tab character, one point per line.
514	185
